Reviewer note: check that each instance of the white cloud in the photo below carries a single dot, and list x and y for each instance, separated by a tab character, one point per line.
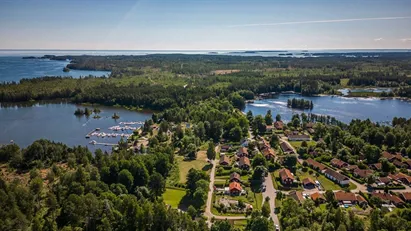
378	39
406	40
321	21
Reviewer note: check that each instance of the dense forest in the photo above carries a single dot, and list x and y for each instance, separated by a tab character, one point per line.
160	81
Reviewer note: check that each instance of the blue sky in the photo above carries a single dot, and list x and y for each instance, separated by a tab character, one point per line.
204	24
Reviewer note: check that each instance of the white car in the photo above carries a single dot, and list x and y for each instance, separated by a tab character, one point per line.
277	228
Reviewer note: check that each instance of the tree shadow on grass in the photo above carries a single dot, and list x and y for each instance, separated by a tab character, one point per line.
207	167
185	202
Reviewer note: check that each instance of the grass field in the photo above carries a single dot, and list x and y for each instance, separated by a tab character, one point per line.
297	144
184	166
173	196
344	82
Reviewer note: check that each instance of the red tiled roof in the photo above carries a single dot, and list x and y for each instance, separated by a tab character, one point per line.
315	164
338	163
384	180
377	166
244	161
224	159
361	199
363	173
285	174
268	152
307	181
317	196
388	197
345	196
387	155
243	151
398	163
235	186
352	167
297	195
406	195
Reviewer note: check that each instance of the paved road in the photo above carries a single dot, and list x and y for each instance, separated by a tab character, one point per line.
271	193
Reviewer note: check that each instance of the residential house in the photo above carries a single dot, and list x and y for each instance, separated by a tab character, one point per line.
381	181
235	188
299	138
337	177
346	198
315	165
297	195
279	125
235	177
244	163
318	197
308	183
408	163
351	168
389	199
224	160
286	148
405	179
338	163
268	153
399	164
309	125
361	200
390	157
406	196
376	166
225	148
286	177
242	152
363	173
269	128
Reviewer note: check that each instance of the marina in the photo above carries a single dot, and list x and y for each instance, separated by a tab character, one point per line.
24	125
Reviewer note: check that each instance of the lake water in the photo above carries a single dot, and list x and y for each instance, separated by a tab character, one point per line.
14	68
57	122
342	108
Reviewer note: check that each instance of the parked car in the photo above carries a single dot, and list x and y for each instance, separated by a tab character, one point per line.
277	228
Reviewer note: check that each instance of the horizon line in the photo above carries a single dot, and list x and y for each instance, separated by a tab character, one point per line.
319	21
271	49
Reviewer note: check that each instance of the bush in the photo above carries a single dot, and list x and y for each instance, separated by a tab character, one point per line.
305	169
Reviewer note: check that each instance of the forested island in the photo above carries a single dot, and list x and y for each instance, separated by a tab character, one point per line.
300	104
199	135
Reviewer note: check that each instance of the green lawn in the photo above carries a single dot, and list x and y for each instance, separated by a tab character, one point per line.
184	166
325	183
173	196
240	224
297	144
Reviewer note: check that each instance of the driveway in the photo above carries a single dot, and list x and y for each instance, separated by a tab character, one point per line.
271	193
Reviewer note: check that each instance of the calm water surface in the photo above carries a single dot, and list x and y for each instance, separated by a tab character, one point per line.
14	68
342	108
57	122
